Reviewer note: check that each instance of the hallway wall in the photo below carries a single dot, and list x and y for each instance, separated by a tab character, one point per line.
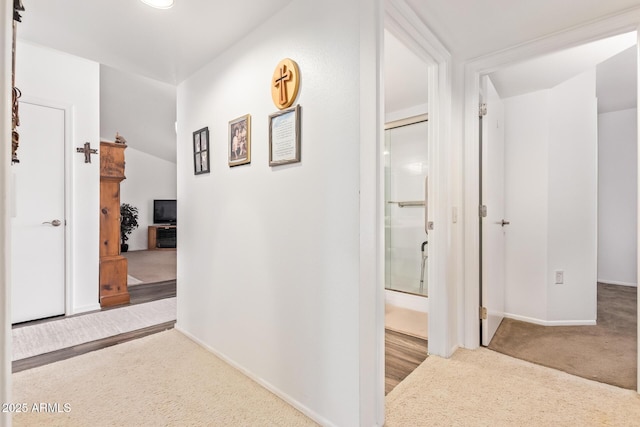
617	193
269	258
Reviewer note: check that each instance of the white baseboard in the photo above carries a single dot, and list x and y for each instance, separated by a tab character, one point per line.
550	322
404	300
299	406
84	309
614	282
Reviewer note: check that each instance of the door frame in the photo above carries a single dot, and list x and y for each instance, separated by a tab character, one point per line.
403	23
611	26
68	151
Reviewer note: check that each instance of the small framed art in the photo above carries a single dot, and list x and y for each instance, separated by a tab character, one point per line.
240	141
201	151
284	137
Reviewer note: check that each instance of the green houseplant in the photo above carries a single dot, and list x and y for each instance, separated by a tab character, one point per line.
128	223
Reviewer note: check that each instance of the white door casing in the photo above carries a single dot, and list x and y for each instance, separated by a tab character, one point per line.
494	223
37	245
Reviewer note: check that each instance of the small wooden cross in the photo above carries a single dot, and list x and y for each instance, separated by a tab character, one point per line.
281	83
88	151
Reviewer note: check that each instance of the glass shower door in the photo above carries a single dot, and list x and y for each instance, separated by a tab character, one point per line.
406	172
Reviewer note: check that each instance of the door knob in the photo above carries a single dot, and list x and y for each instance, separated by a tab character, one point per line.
55	222
503	223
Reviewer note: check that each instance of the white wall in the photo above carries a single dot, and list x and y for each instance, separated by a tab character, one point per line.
269	258
67	80
573	199
551	201
617	197
148	178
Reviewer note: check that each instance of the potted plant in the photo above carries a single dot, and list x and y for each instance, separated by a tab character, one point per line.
128	223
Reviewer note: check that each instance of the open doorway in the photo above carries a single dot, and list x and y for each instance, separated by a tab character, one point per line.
565	187
406	166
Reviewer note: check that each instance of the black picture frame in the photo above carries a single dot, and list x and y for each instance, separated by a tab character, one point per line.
201	144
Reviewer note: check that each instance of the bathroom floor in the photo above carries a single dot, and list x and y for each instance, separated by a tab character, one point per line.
410	322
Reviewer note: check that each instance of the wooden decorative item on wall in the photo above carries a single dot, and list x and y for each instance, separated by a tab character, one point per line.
113	266
285	83
15	92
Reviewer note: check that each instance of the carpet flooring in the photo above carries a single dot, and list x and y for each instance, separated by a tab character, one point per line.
486	388
150	266
606	352
166	379
163	379
40	338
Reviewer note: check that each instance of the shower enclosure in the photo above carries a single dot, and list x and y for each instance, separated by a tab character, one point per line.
406	177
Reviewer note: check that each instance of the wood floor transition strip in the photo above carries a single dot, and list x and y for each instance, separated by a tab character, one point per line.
66	353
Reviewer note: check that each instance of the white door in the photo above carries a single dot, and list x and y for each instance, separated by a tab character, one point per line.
494	224
37	243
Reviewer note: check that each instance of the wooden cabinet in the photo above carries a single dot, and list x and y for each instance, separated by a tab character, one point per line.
162	237
113	266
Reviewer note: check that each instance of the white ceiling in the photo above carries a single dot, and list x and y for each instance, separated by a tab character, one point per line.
617	83
550	70
405	81
166	45
142	110
471	28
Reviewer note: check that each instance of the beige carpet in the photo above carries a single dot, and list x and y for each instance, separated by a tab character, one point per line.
160	380
150	266
166	379
485	388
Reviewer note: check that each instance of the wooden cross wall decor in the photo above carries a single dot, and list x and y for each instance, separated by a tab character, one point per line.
88	151
285	83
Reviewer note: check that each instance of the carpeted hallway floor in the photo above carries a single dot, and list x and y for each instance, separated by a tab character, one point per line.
166	379
606	352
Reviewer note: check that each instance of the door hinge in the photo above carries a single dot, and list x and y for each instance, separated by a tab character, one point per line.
483	313
482	212
483	110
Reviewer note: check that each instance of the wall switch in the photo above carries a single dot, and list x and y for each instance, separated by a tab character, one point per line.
559	277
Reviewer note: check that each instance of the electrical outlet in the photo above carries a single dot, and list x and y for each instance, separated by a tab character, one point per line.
559	277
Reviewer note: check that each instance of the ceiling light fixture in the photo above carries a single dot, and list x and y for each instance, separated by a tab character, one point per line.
159	4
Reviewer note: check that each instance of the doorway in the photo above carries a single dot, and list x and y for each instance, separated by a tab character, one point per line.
406	170
38	223
551	205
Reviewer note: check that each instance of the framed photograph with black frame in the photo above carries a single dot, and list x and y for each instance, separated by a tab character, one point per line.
201	151
284	137
240	141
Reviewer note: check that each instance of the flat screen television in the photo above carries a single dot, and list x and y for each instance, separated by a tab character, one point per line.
164	212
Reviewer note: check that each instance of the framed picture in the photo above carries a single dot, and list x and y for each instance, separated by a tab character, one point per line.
201	151
284	137
240	141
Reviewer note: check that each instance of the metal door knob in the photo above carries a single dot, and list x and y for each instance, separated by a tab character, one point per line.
503	223
55	222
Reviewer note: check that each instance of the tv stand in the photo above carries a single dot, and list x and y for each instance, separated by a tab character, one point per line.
162	237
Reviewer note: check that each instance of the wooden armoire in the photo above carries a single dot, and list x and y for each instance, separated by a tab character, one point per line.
113	266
